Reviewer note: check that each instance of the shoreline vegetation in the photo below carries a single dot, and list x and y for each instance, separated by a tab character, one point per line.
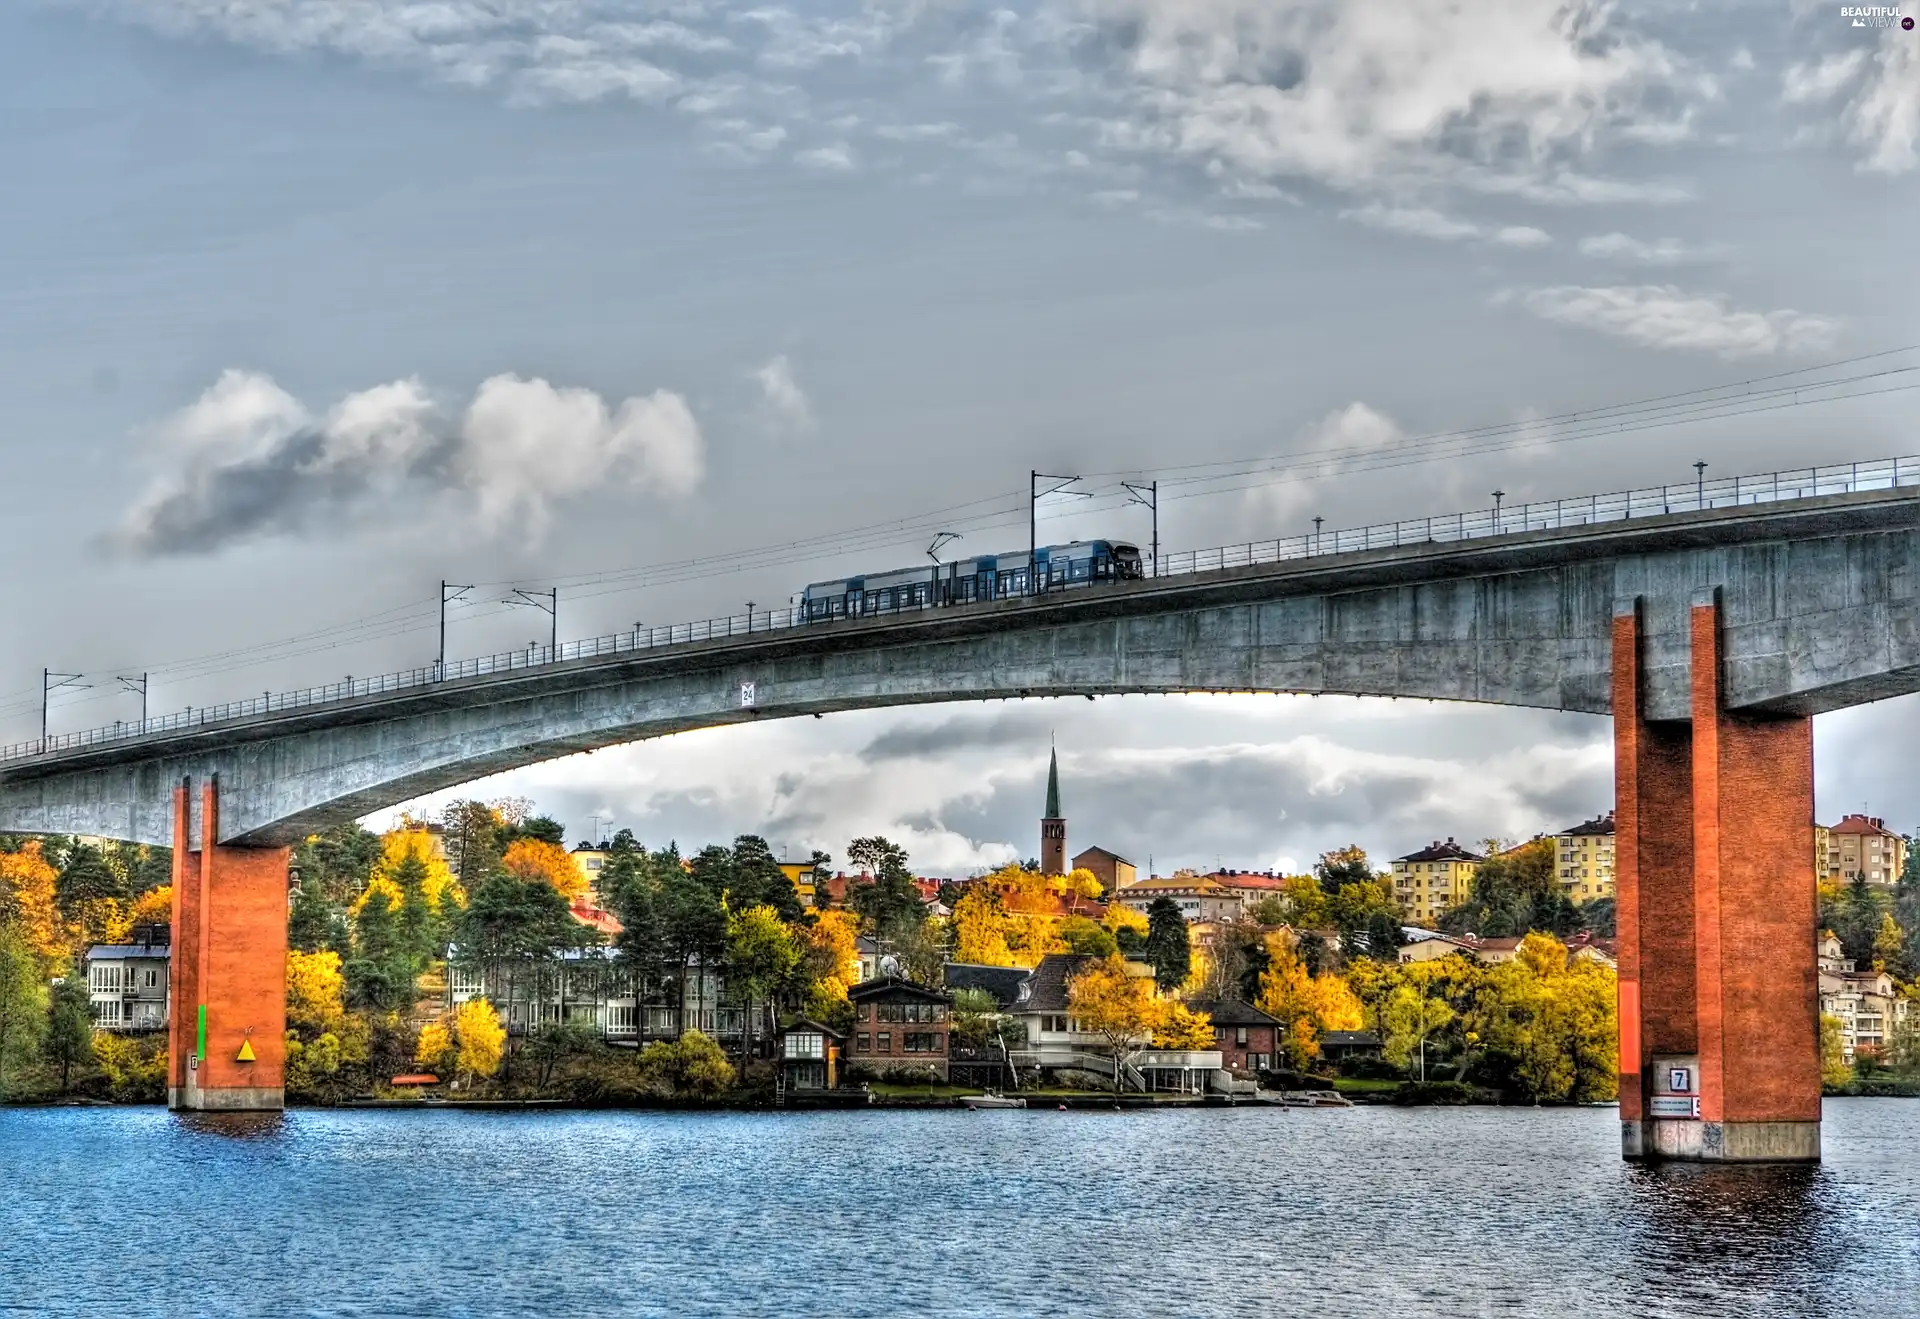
383	928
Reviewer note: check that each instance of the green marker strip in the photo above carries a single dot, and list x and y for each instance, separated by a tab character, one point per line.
203	1033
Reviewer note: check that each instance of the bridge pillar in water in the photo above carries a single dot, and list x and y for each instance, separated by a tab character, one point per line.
1715	902
228	1023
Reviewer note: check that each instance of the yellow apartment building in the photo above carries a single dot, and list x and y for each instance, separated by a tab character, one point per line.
1583	859
1436	877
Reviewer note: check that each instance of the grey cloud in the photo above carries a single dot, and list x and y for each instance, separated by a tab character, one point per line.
1012	726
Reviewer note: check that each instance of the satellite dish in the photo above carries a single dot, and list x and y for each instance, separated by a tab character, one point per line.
889	965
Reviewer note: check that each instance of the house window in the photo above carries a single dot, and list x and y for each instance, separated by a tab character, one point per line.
863	1043
883	1042
806	1044
1240	1036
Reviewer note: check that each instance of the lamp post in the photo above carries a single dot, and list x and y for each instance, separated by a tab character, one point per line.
1700	484
1316	534
1498	495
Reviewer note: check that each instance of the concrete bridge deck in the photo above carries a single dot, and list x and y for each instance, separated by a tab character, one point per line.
1818	605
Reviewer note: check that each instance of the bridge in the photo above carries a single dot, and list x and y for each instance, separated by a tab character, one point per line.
1711	620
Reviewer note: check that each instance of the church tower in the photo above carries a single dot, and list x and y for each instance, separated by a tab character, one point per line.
1053	827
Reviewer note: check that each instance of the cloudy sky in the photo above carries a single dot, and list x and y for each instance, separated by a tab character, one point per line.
306	305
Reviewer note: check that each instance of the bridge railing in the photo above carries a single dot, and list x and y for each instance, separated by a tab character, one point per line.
1503	520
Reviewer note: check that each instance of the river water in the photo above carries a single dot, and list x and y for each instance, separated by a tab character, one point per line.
131	1212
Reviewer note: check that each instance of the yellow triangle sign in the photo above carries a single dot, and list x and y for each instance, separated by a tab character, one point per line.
246	1051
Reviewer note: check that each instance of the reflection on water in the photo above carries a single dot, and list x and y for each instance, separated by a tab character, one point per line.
1209	1212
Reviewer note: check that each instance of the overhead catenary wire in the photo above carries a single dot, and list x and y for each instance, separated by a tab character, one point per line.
1774	392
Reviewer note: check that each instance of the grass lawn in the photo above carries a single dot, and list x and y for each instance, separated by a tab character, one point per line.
888	1090
1355	1086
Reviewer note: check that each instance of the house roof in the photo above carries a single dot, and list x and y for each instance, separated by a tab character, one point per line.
808	1023
883	986
1439	851
1101	851
1047	990
112	952
1350	1038
1599	824
1862	824
587	914
1502	943
1167	884
1233	1012
1003	982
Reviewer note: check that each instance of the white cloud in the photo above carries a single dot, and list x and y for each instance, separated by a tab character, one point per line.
1420	221
1319	450
1878	92
529	444
1662	316
784	404
1521	235
1512	98
837	158
247	459
1625	248
1498	96
1425	222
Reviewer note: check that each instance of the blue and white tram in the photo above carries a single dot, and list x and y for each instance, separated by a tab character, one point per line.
983	577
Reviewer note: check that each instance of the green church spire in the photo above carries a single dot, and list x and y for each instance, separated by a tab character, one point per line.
1053	785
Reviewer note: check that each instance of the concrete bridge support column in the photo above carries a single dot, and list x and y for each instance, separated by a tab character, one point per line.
1714	892
227	1032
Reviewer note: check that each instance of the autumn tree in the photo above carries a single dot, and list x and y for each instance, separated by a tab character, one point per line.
1306	902
325	1043
1549	1024
979	925
154	907
480	1040
1407	1019
27	903
1305	1005
1182	1028
434	1050
537	859
1108	1001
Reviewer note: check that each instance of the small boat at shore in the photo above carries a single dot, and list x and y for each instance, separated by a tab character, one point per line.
1314	1099
992	1100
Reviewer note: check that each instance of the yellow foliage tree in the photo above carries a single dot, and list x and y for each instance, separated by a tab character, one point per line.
1121	917
980	929
382	889
412	842
481	1039
1119	1007
154	907
435	1047
1305	1006
100	920
316	992
534	859
832	952
1182	1028
1556	1018
1834	1071
26	898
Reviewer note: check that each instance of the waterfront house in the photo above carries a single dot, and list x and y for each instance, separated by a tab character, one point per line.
809	1056
1336	1046
899	1024
127	983
1246	1037
591	987
1057	1042
1865	1003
